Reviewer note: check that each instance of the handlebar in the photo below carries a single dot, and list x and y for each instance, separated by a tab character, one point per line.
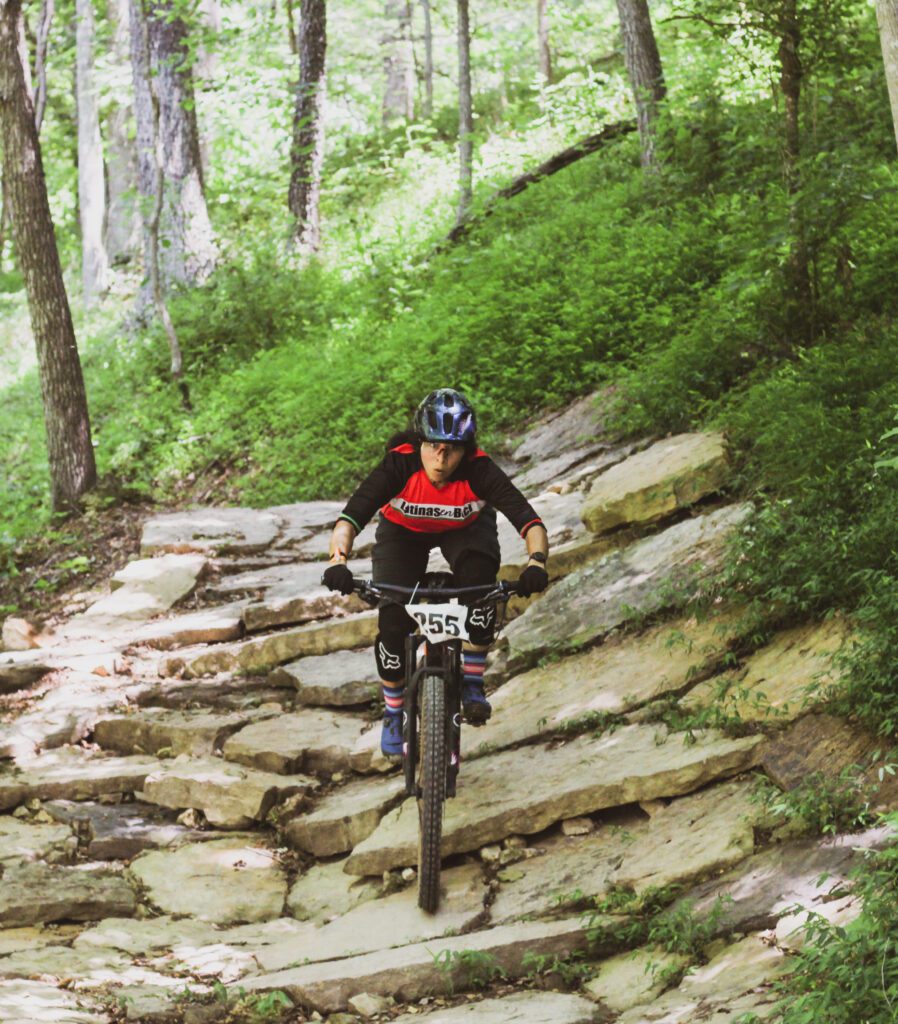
370	591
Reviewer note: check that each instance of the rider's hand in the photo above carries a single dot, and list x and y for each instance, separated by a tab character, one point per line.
338	577
533	580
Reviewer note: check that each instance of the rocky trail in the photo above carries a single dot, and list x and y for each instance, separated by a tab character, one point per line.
197	823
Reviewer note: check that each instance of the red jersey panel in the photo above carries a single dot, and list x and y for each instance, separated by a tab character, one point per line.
424	508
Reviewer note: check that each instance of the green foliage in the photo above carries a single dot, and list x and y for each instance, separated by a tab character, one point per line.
849	973
467	968
570	969
821	804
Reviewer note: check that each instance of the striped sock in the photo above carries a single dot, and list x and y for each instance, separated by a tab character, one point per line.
394	698
472	666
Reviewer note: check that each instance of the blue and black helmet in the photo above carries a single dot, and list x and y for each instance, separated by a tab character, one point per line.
446	415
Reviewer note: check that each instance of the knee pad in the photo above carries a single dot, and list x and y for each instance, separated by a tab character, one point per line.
390	659
481	623
476	569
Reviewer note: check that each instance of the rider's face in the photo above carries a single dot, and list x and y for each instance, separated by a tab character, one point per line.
440	460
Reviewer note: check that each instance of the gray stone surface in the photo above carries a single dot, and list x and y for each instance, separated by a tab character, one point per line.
585	775
19	669
210	531
520	1008
24	840
230	795
644	577
633	978
313	740
38	1002
224	881
38	893
409	972
325	892
331	680
208	626
345	817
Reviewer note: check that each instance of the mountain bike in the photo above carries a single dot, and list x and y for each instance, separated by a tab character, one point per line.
432	713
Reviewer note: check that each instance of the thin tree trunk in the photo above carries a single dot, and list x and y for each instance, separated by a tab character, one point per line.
307	156
542	39
887	18
91	178
291	27
40	61
428	59
800	300
399	64
644	69
160	65
142	53
122	214
465	116
69	447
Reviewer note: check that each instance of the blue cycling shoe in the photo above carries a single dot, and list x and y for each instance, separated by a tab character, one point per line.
391	735
476	707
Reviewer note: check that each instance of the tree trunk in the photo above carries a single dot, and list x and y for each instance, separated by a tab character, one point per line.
307	155
91	179
799	311
291	27
399	64
122	214
69	448
187	247
465	116
428	59
25	61
40	61
542	40
887	17
644	69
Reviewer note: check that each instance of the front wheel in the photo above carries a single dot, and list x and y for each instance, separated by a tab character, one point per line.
431	789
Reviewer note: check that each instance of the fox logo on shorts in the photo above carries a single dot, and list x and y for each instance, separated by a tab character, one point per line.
388	660
482	617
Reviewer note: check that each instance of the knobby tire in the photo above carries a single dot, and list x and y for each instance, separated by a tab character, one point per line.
432	789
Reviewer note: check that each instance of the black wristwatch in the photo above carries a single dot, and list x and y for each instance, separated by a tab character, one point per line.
539	556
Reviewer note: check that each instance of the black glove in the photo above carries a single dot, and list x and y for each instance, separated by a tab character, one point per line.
338	577
533	580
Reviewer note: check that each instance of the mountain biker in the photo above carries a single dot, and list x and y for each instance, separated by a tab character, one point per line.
436	488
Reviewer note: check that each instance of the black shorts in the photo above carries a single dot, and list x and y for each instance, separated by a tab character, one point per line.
400	555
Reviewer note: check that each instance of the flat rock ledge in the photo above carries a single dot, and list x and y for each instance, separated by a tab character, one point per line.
39	894
669	475
587	774
521	1008
410	972
229	795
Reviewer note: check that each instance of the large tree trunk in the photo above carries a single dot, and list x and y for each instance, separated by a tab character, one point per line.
70	452
799	298
542	41
644	69
91	178
428	58
887	17
159	41
307	155
465	116
399	63
122	214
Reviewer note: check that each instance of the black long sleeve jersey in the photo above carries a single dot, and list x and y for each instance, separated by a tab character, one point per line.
400	489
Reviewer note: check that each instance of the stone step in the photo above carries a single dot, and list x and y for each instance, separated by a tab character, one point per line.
345	817
210	626
229	795
643	578
264	653
781	681
331	680
582	776
19	669
23	840
435	966
211	531
72	773
224	881
39	894
199	733
37	1002
669	475
575	692
313	740
520	1008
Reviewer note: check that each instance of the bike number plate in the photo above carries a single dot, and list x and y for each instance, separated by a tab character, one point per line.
440	622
